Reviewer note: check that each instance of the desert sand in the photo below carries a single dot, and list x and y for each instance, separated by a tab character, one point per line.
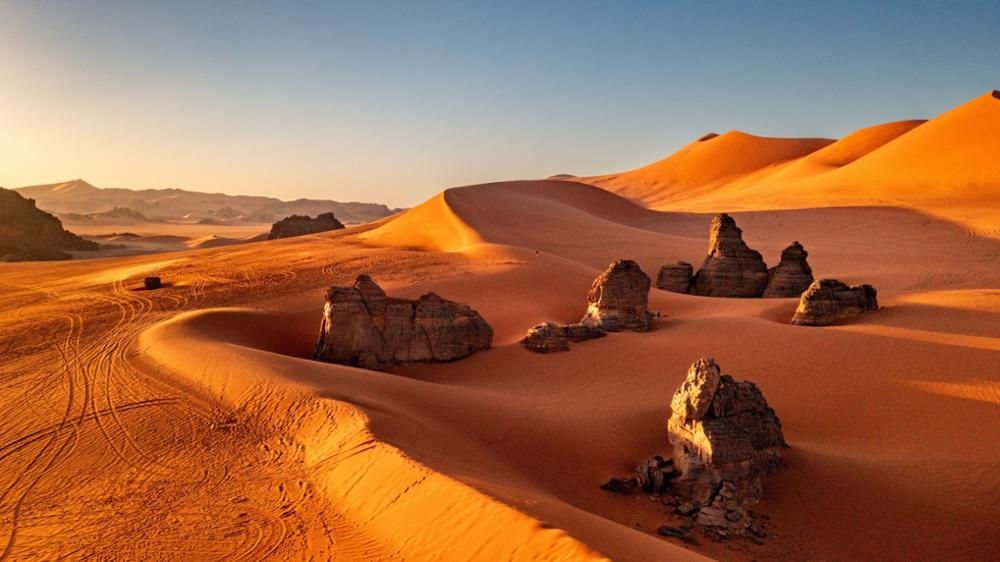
188	423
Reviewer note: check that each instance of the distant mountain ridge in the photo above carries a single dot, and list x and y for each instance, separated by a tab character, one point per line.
77	197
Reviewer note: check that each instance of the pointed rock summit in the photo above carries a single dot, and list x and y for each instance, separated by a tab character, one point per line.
618	299
731	269
792	276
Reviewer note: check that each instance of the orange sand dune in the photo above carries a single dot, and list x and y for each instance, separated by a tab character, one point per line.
947	165
186	423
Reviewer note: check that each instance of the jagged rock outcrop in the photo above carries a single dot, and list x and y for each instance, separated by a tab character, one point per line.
675	277
827	301
28	233
791	276
731	269
546	338
299	225
365	328
725	438
618	299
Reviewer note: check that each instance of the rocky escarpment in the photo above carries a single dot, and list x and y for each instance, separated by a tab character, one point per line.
828	301
675	277
299	225
731	269
725	439
792	276
618	299
28	233
363	327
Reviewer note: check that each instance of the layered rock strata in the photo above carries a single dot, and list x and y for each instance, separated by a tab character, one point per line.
363	327
792	276
731	269
675	277
618	299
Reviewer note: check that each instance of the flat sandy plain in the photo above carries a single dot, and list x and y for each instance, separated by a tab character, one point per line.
188	424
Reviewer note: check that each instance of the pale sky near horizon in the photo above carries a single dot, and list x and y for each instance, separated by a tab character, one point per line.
395	101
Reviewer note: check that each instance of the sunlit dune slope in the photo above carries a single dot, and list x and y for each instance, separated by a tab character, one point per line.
947	165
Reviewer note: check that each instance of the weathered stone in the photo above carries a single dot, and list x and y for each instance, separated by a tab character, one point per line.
827	301
731	268
618	299
28	233
546	338
675	277
365	328
722	430
578	332
299	225
677	532
791	276
619	486
150	283
654	475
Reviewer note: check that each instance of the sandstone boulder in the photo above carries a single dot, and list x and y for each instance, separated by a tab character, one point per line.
365	328
546	338
578	332
722	430
731	268
791	276
675	277
827	301
618	299
299	225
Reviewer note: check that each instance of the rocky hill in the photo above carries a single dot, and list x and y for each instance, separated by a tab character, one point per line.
29	233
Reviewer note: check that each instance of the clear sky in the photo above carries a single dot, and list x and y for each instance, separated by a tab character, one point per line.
394	101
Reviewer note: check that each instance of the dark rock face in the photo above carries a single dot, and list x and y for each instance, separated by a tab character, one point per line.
578	333
731	268
150	283
618	299
546	338
299	225
792	276
28	233
676	277
363	327
725	439
827	301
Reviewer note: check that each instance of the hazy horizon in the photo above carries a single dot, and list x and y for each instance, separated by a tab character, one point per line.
393	103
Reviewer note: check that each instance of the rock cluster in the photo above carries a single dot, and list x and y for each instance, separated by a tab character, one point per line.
725	438
675	277
547	338
731	269
28	233
299	225
363	327
791	276
618	299
827	301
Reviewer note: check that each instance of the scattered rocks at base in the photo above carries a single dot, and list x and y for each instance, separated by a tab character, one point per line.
791	276
546	338
620	486
676	277
618	299
578	332
299	225
828	301
683	533
363	327
654	475
151	283
731	269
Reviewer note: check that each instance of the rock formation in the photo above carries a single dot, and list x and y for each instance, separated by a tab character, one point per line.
28	233
791	276
618	299
546	338
151	283
731	268
299	225
722	430
365	328
676	277
826	301
578	332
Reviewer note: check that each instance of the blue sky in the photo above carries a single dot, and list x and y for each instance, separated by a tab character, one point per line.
395	101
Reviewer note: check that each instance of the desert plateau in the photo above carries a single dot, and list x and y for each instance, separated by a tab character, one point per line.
753	349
